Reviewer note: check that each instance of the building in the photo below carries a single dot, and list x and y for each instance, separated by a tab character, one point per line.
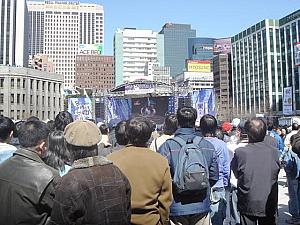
27	92
155	72
13	33
58	28
195	80
289	27
42	63
95	72
133	48
176	45
201	48
256	72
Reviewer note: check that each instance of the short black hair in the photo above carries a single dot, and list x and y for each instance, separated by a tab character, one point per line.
103	129
170	124
32	132
17	127
186	117
208	125
120	133
295	126
6	127
256	130
51	125
62	120
138	131
33	118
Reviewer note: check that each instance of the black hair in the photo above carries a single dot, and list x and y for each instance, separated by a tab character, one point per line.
81	152
62	120
51	125
219	134
295	126
208	125
17	128
32	132
256	130
57	154
186	117
33	118
170	124
6	127
138	131
120	133
103	129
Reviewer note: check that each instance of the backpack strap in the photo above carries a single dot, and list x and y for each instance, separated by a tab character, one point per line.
179	140
155	144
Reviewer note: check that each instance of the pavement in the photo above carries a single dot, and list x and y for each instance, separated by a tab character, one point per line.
283	198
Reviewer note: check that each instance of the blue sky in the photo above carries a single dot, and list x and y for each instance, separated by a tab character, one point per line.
210	18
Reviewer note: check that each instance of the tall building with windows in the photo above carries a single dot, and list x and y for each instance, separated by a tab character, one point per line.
58	28
176	45
256	70
13	33
133	48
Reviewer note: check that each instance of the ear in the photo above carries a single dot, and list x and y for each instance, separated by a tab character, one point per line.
41	148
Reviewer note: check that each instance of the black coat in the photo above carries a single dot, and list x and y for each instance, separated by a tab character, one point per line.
256	166
26	189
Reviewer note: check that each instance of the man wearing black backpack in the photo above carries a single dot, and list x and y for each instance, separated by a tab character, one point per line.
194	169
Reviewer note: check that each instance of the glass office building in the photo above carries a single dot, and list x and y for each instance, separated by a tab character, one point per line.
201	48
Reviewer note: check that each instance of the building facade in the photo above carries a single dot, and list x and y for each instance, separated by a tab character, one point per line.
176	45
58	28
13	33
195	80
27	92
42	63
201	48
155	72
256	70
133	48
95	72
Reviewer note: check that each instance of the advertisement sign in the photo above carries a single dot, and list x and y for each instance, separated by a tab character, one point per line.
204	102
118	109
287	101
222	46
198	66
297	53
90	49
80	108
138	89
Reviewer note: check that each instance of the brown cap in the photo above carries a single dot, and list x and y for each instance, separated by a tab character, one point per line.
82	133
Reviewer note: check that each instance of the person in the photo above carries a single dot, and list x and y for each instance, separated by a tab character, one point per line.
62	119
208	126
272	131
190	209
7	128
226	128
94	191
104	135
58	155
287	140
51	125
256	167
148	174
27	184
169	128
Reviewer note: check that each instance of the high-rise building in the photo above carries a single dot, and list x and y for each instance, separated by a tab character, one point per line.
201	48
256	73
157	73
13	33
95	72
176	45
58	28
133	48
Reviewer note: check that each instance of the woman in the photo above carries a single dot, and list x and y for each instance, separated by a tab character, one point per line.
57	155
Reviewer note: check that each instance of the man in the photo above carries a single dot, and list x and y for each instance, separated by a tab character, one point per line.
94	191
190	209
272	131
208	125
7	128
295	129
148	174
62	119
26	182
256	167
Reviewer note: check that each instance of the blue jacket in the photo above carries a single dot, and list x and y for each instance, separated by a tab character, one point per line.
278	139
195	204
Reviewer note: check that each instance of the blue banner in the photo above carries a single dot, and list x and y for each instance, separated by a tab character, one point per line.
204	102
80	108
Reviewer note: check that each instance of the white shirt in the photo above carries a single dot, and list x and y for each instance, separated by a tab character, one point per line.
6	151
287	140
159	141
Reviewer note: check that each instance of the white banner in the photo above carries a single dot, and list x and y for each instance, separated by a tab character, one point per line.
297	53
287	101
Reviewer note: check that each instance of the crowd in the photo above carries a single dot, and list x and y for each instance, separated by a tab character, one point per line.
67	172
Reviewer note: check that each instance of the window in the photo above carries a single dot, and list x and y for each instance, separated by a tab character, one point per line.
1	98
1	82
12	99
18	83
31	84
23	99
18	98
12	83
24	81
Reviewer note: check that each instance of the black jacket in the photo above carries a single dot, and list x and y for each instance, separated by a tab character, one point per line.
26	189
256	167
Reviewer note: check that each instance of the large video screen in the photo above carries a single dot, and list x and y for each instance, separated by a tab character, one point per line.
154	108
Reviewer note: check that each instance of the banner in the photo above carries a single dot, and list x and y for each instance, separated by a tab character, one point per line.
137	89
198	66
297	53
119	109
204	102
287	101
80	108
222	46
90	49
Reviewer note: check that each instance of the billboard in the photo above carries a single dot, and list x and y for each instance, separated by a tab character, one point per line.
119	109
90	49
287	108
222	46
198	66
204	102
297	53
137	89
80	108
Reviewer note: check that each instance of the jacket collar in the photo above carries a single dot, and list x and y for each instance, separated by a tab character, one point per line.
90	161
185	131
28	153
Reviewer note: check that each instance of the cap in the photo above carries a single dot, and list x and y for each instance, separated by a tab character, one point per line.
226	126
82	133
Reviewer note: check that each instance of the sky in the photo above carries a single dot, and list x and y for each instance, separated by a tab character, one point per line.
210	18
